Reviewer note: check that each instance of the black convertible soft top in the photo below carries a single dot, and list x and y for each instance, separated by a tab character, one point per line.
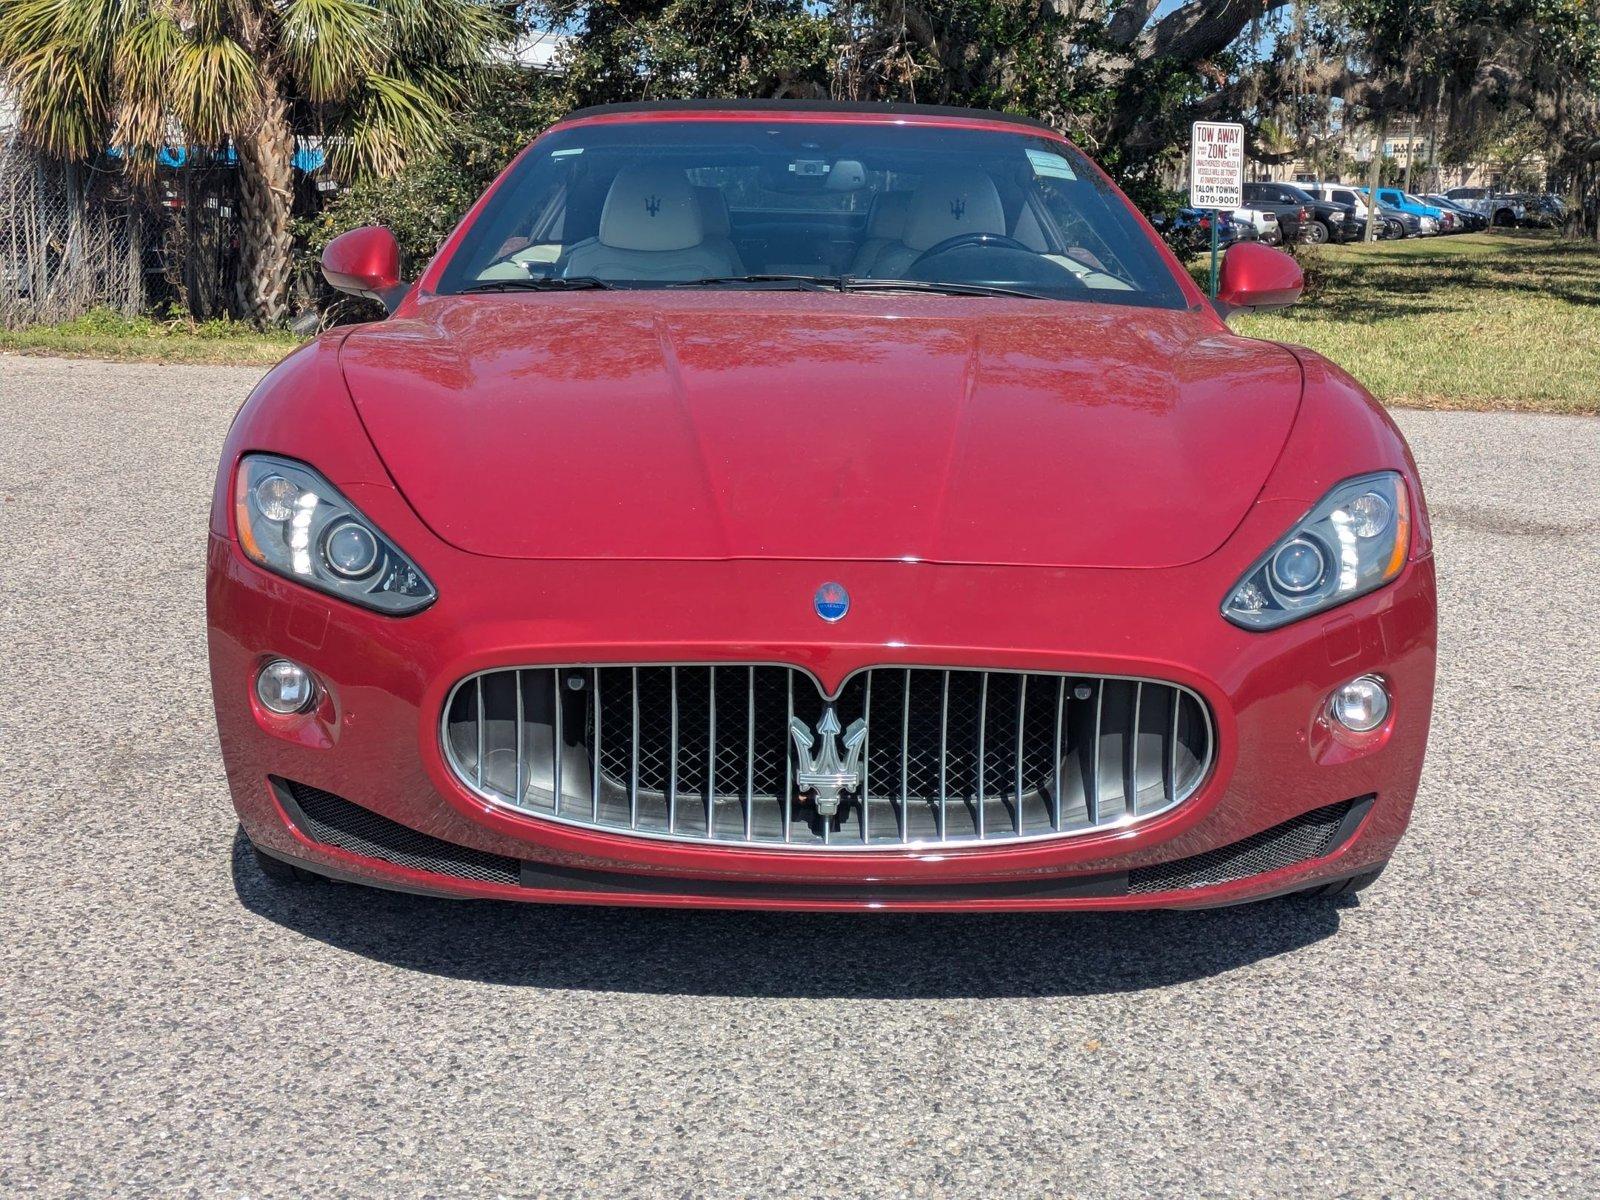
821	106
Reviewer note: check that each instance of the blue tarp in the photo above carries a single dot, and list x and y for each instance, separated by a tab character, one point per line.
306	158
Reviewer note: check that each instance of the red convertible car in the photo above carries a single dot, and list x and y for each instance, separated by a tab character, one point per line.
817	506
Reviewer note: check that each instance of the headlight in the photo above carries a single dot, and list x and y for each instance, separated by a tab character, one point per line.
1355	540
293	521
1338	216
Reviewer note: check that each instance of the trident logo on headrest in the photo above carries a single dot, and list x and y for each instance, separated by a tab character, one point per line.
652	205
958	207
822	773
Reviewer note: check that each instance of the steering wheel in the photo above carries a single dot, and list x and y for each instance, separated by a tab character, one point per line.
968	239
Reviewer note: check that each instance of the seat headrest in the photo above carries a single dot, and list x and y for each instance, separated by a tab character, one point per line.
888	219
960	200
714	211
651	207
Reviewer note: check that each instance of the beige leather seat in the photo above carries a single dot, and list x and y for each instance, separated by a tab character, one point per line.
886	224
962	200
718	225
651	227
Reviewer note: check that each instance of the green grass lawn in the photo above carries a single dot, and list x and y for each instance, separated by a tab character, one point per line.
1503	320
104	334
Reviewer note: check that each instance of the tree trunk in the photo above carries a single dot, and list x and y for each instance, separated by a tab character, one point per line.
1433	141
1411	151
1375	177
266	193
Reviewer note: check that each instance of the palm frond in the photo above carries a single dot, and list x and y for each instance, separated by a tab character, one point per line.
449	86
332	44
55	55
144	66
213	88
61	102
391	119
210	19
451	32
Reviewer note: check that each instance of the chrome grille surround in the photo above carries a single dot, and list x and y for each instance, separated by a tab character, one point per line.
702	752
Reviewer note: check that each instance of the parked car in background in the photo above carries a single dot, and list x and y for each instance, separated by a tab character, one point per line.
1471	221
1302	216
1540	210
1553	206
1265	224
1344	224
1447	222
1428	217
1409	223
1348	197
1500	208
1188	231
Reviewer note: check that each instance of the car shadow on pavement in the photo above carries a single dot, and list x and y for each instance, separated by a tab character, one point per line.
784	954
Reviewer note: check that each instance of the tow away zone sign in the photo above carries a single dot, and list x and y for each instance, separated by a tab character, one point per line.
1216	165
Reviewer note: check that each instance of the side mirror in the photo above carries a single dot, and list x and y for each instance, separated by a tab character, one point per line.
365	262
1257	277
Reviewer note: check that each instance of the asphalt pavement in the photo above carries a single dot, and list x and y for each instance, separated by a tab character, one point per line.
172	1024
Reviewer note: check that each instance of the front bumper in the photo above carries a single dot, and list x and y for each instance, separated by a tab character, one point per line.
373	741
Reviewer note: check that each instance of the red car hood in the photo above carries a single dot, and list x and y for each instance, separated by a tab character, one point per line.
801	425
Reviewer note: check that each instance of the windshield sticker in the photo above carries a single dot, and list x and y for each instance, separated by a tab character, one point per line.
1050	166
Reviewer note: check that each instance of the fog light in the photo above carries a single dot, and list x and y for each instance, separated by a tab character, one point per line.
1361	705
285	687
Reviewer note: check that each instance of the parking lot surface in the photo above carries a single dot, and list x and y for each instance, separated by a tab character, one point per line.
171	1023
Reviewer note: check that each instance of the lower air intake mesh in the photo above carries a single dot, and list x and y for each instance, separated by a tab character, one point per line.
335	821
1308	836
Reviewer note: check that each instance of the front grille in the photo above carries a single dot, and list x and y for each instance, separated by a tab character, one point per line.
334	821
708	753
1300	839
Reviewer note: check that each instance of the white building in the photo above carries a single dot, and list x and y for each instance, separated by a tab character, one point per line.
535	49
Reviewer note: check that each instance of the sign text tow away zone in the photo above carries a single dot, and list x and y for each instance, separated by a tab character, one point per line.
1216	165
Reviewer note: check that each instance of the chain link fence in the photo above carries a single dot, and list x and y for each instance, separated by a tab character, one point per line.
68	243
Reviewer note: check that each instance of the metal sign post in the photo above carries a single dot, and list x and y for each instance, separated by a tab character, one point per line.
1216	175
1216	220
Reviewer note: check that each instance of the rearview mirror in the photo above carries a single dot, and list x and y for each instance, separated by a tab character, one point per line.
365	262
1257	277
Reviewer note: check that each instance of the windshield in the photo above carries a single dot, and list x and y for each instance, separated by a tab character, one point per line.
702	203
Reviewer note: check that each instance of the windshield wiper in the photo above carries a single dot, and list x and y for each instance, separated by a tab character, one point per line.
570	283
854	283
809	283
851	283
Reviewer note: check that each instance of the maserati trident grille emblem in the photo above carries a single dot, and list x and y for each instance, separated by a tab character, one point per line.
821	771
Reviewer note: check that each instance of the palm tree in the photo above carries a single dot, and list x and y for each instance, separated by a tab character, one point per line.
377	79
